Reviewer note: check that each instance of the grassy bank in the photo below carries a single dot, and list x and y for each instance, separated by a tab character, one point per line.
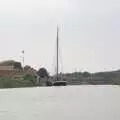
7	82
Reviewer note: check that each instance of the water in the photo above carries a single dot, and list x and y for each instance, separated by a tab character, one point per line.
61	103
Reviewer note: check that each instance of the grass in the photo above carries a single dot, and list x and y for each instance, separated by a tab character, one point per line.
26	81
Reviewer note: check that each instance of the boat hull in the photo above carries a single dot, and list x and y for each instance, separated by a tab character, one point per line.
60	83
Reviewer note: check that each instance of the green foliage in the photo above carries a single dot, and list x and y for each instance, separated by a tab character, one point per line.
17	65
86	74
27	67
42	72
30	78
7	83
27	81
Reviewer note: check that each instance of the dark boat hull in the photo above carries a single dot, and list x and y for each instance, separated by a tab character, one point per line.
60	83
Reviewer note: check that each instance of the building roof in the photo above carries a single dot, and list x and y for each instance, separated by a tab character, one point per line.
7	63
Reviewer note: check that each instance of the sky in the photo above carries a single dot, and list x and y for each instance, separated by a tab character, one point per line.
89	33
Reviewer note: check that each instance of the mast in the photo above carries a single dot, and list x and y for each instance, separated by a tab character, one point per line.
23	59
57	52
58	81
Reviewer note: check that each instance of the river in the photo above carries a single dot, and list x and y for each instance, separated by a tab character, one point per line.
61	103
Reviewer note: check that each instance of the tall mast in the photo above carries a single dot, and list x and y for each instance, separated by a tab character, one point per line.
23	59
57	52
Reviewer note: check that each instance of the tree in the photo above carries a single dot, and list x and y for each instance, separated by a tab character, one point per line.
42	72
17	65
86	74
30	78
27	67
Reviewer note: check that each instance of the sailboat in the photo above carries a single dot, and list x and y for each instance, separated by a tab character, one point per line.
58	80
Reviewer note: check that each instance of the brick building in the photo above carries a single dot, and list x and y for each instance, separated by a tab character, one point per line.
10	67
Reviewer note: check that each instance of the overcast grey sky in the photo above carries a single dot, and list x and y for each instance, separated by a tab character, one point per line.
89	33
